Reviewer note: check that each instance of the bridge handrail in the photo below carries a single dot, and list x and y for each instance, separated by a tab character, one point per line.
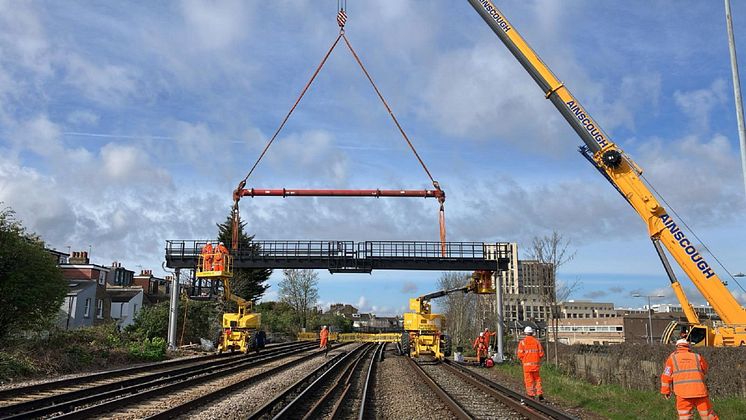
348	249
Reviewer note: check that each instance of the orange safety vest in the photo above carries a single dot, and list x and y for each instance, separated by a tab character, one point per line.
686	371
530	353
219	260
480	347
324	337
486	337
207	257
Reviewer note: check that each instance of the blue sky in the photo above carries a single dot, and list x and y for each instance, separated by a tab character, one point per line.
126	124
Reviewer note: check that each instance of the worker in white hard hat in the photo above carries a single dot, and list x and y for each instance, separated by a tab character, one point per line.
481	349
684	375
487	334
324	339
207	257
221	256
530	354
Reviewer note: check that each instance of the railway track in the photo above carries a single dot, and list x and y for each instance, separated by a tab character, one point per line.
108	392
341	388
471	396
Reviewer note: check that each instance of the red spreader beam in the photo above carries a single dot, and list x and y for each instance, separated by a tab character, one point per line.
284	192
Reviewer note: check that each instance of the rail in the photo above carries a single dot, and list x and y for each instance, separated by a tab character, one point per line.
106	397
530	408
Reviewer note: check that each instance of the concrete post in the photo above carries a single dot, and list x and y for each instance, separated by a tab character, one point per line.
173	317
500	326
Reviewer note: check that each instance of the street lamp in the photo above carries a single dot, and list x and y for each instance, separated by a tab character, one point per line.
650	314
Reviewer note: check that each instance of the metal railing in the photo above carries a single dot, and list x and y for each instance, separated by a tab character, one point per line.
349	249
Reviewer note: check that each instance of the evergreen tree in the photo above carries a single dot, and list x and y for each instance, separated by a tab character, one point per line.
246	282
32	287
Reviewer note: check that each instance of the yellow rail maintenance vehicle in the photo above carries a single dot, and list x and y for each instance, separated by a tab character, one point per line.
423	330
238	328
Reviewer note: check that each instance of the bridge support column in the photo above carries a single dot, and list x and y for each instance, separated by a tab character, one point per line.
173	317
499	307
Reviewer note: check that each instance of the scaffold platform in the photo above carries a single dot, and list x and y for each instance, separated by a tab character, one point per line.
352	257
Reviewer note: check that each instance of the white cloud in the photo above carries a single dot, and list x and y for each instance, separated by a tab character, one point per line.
129	164
698	104
108	84
82	117
22	38
698	176
310	155
216	24
40	135
362	304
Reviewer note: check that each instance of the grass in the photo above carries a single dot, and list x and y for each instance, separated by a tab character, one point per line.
615	402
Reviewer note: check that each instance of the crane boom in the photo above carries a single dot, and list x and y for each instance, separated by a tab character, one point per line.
619	169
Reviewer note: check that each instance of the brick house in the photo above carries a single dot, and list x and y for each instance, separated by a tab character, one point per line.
156	289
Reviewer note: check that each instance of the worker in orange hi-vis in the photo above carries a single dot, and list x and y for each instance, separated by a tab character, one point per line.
207	257
221	254
324	342
686	370
486	337
481	349
530	354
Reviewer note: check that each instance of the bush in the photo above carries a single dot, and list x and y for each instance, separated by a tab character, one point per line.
148	350
32	286
202	321
14	365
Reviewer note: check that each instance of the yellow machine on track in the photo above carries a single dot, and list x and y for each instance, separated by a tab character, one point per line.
238	328
423	329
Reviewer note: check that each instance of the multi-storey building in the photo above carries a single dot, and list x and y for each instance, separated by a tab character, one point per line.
528	288
126	303
156	289
586	309
346	310
704	311
120	276
87	294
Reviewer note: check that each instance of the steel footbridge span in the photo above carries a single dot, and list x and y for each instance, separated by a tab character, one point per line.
351	256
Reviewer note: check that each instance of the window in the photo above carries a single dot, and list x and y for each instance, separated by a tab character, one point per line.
101	278
134	310
87	309
100	309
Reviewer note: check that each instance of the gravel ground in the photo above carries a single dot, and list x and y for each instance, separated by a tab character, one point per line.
158	404
241	404
399	396
476	402
518	386
28	382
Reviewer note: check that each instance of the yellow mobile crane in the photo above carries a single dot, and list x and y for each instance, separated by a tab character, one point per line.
423	329
622	172
238	327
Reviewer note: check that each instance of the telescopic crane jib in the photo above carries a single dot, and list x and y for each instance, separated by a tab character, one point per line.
622	172
242	191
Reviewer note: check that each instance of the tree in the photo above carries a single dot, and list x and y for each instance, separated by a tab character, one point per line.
459	309
247	283
553	249
278	317
298	289
202	321
32	287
